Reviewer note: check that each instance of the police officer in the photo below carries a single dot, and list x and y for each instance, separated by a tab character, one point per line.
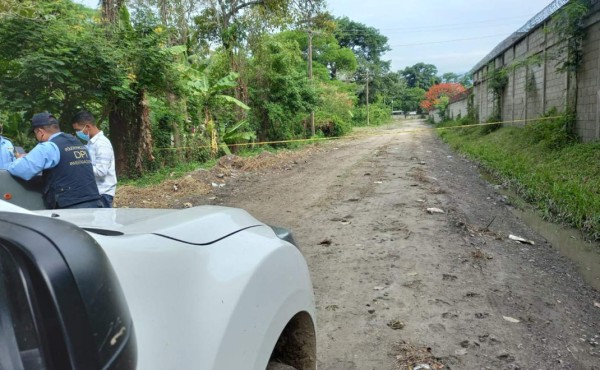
67	174
7	151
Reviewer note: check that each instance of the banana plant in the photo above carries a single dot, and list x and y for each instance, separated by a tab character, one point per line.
235	134
210	96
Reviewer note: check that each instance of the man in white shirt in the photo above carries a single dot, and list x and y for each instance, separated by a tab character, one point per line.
101	153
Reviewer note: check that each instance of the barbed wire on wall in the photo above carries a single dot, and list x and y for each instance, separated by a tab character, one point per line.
531	24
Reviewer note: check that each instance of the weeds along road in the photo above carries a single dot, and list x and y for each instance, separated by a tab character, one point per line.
392	280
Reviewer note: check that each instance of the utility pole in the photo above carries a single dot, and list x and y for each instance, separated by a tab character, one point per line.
310	11
310	78
368	97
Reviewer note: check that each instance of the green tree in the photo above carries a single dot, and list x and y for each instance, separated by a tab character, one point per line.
57	60
367	43
450	77
21	8
327	53
280	93
148	68
466	80
421	75
411	98
226	22
177	19
177	16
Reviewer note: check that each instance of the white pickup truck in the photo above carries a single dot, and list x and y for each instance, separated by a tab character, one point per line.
201	288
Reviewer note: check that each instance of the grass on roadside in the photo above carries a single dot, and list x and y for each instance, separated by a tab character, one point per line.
160	175
183	168
545	165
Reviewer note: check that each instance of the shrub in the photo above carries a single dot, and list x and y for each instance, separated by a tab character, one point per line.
336	126
493	125
333	116
551	133
378	115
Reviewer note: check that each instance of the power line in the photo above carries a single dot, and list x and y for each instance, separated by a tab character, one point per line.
422	30
446	41
462	25
495	20
525	17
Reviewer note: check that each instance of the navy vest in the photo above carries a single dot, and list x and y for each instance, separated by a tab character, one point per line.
72	180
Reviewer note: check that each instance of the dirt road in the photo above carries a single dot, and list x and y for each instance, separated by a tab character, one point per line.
392	280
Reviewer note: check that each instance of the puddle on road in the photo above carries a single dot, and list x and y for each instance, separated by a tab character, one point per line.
568	241
570	244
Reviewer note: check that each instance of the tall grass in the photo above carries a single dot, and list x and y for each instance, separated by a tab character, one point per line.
546	166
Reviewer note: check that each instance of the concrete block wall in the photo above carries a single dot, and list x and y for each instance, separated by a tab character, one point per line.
536	41
435	116
482	95
477	97
488	101
508	102
458	109
588	87
534	89
507	98
521	48
519	95
556	82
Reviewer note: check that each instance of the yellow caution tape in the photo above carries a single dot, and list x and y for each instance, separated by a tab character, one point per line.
396	132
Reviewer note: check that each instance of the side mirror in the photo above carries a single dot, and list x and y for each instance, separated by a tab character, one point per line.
61	305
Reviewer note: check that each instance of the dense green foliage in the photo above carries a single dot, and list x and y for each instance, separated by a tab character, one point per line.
545	165
378	115
568	24
47	61
421	75
176	81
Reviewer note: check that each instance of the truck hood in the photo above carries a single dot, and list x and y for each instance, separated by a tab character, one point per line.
199	225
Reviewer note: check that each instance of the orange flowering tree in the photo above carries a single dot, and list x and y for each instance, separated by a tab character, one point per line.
438	96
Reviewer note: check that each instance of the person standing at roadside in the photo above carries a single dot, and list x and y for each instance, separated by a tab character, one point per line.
102	155
7	151
65	165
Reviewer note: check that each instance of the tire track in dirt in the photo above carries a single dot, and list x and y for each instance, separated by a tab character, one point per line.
391	272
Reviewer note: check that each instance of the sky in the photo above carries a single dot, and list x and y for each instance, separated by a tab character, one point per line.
453	35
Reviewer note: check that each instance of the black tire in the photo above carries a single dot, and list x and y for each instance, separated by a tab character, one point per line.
279	366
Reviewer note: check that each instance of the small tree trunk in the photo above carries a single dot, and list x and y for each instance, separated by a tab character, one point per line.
211	130
144	147
177	139
117	124
571	104
110	10
310	77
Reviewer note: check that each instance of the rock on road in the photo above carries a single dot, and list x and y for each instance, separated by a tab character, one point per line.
391	277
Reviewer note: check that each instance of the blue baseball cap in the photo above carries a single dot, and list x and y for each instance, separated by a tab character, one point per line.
42	119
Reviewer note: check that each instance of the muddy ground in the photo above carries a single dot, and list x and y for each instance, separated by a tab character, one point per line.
395	285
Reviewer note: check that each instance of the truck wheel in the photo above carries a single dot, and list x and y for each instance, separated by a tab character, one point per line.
279	366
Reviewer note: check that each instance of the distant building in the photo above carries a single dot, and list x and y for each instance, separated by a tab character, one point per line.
459	104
